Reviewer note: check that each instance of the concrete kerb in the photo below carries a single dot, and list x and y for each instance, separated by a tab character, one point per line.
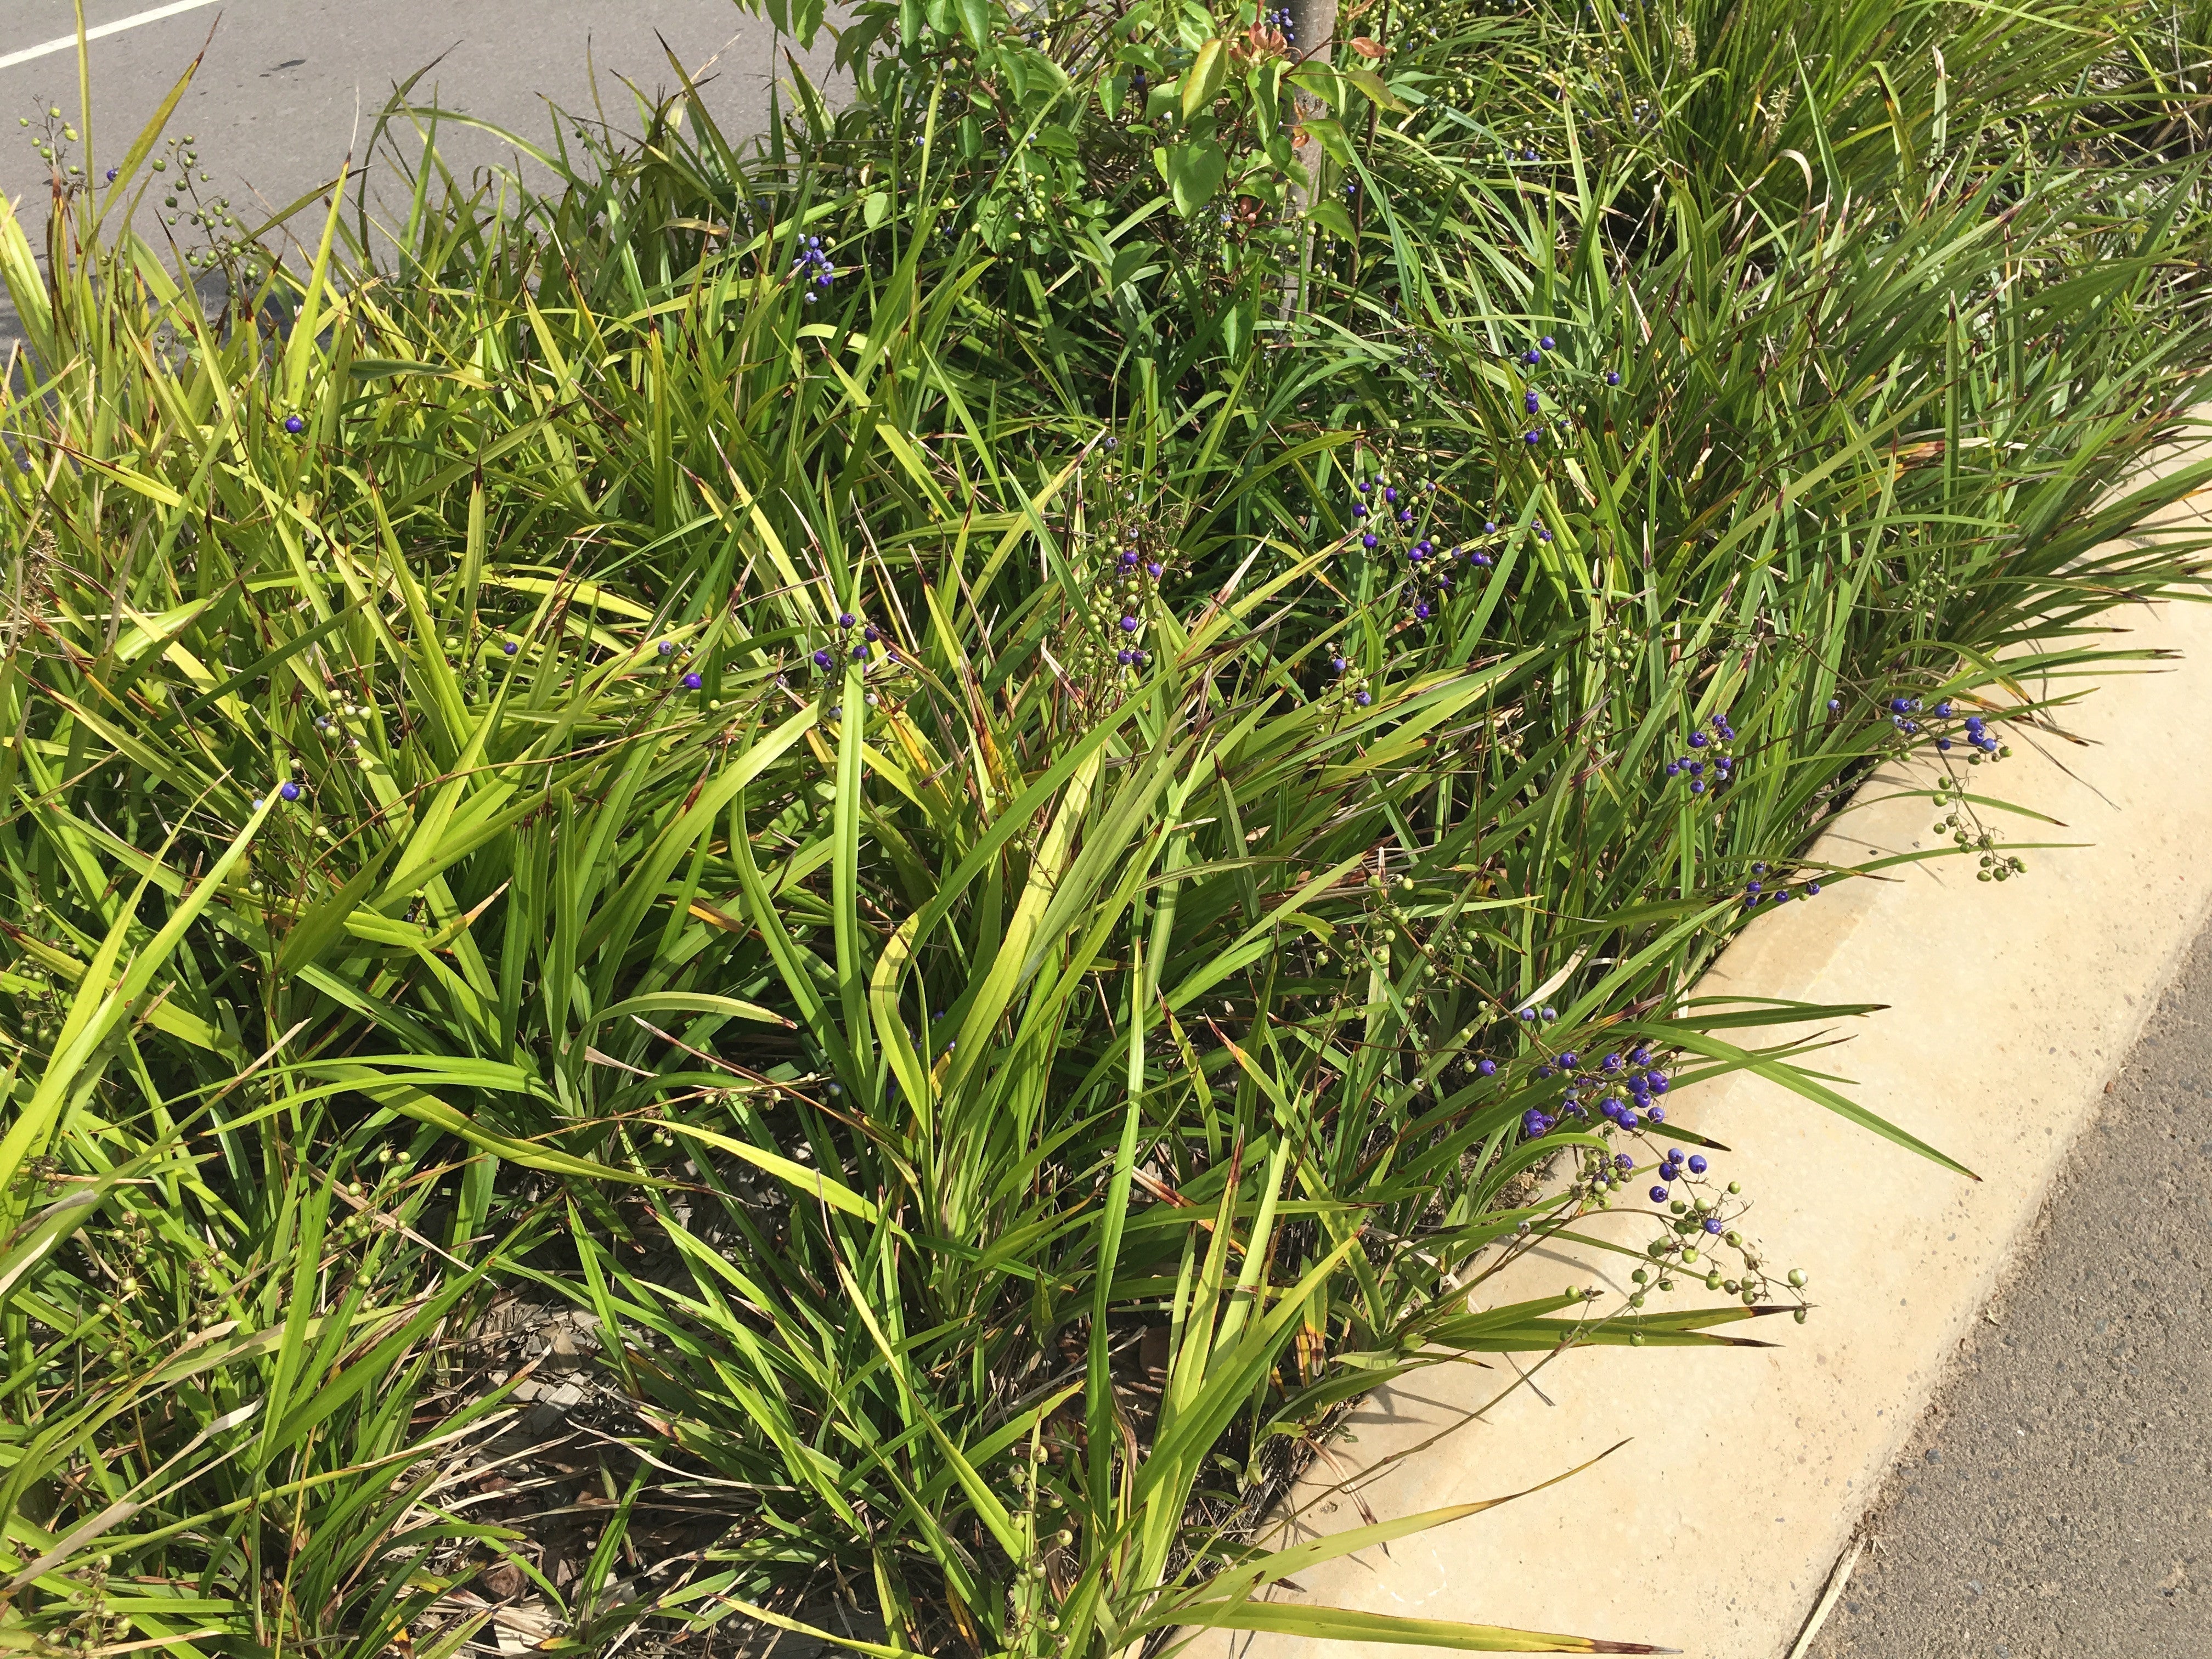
1715	1529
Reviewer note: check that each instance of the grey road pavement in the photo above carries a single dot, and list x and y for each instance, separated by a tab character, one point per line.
286	88
2057	1502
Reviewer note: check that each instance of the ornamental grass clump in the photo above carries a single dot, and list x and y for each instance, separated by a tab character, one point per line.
818	882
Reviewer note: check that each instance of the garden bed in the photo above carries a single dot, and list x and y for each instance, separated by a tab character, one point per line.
985	778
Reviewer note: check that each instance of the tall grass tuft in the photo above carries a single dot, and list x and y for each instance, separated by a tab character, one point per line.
1005	782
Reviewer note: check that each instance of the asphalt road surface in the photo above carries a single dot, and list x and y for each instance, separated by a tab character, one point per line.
288	88
2057	1502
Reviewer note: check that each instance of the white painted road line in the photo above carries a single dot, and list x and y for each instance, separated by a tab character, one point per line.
68	42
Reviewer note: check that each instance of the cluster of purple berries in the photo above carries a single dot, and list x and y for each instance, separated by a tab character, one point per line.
1381	509
1390	517
287	790
1670	1171
1351	682
1756	891
1129	553
1281	21
1129	583
813	269
1610	1079
1973	729
1531	402
1127	564
1708	764
856	642
691	680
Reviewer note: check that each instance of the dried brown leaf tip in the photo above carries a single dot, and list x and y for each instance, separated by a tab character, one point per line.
1365	48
